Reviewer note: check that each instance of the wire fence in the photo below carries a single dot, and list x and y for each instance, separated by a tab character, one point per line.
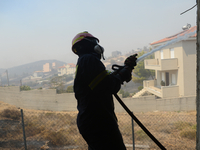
57	130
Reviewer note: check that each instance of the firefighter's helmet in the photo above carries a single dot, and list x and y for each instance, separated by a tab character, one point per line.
79	37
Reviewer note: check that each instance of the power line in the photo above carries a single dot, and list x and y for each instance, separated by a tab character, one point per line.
188	9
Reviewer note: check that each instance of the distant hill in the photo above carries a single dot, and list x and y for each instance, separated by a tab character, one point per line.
32	67
2	70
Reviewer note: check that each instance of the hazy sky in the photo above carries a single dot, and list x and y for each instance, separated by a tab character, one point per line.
32	30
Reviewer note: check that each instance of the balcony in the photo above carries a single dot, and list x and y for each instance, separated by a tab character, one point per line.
161	64
163	91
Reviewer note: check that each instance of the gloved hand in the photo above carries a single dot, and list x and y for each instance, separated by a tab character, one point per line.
131	61
125	74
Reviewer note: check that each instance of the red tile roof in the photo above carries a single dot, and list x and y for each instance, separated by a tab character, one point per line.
182	33
71	65
62	67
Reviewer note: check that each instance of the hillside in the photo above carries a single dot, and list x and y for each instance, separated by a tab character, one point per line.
31	67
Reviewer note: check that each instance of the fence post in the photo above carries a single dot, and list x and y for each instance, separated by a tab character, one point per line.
133	138
23	127
198	79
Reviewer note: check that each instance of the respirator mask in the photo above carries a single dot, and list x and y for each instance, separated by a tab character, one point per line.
97	48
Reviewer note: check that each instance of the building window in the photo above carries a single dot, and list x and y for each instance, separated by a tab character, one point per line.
173	79
163	76
172	53
161	54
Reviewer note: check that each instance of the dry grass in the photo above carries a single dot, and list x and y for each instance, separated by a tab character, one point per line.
175	130
11	114
188	133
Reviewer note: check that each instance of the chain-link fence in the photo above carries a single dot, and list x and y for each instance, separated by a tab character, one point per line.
58	130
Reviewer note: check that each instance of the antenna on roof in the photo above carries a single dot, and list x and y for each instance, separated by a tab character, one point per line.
186	27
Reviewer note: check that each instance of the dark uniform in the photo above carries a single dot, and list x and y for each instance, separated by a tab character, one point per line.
93	87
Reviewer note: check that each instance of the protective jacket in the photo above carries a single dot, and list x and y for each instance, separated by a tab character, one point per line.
93	87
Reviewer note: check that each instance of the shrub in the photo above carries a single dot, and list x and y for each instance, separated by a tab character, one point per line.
25	88
68	77
121	91
162	83
70	89
180	125
140	88
58	138
141	135
32	128
124	94
188	133
11	113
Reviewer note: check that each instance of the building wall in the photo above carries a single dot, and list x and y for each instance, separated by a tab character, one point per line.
49	100
189	67
46	67
70	69
149	103
179	73
62	70
178	53
186	74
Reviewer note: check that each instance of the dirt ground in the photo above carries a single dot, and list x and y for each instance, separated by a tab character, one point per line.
174	130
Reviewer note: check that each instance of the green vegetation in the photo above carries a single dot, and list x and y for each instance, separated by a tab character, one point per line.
141	72
162	83
70	89
141	135
180	125
189	134
60	88
25	88
58	82
124	93
187	129
67	77
140	88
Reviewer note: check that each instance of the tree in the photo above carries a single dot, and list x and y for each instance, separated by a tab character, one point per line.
124	93
140	88
141	72
55	81
60	88
70	89
68	77
25	88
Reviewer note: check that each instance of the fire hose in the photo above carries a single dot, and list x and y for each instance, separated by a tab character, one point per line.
116	69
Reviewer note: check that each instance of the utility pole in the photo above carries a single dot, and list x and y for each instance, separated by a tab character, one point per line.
1	80
7	77
198	78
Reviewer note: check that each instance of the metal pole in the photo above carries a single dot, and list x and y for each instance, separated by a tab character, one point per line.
7	77
20	85
198	78
23	130
133	134
1	81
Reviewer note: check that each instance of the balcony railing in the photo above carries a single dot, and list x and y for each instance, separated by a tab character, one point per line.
163	91
161	64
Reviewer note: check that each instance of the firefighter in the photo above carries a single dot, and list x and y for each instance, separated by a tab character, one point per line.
93	87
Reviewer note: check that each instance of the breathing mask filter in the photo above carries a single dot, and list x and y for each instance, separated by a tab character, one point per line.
97	48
